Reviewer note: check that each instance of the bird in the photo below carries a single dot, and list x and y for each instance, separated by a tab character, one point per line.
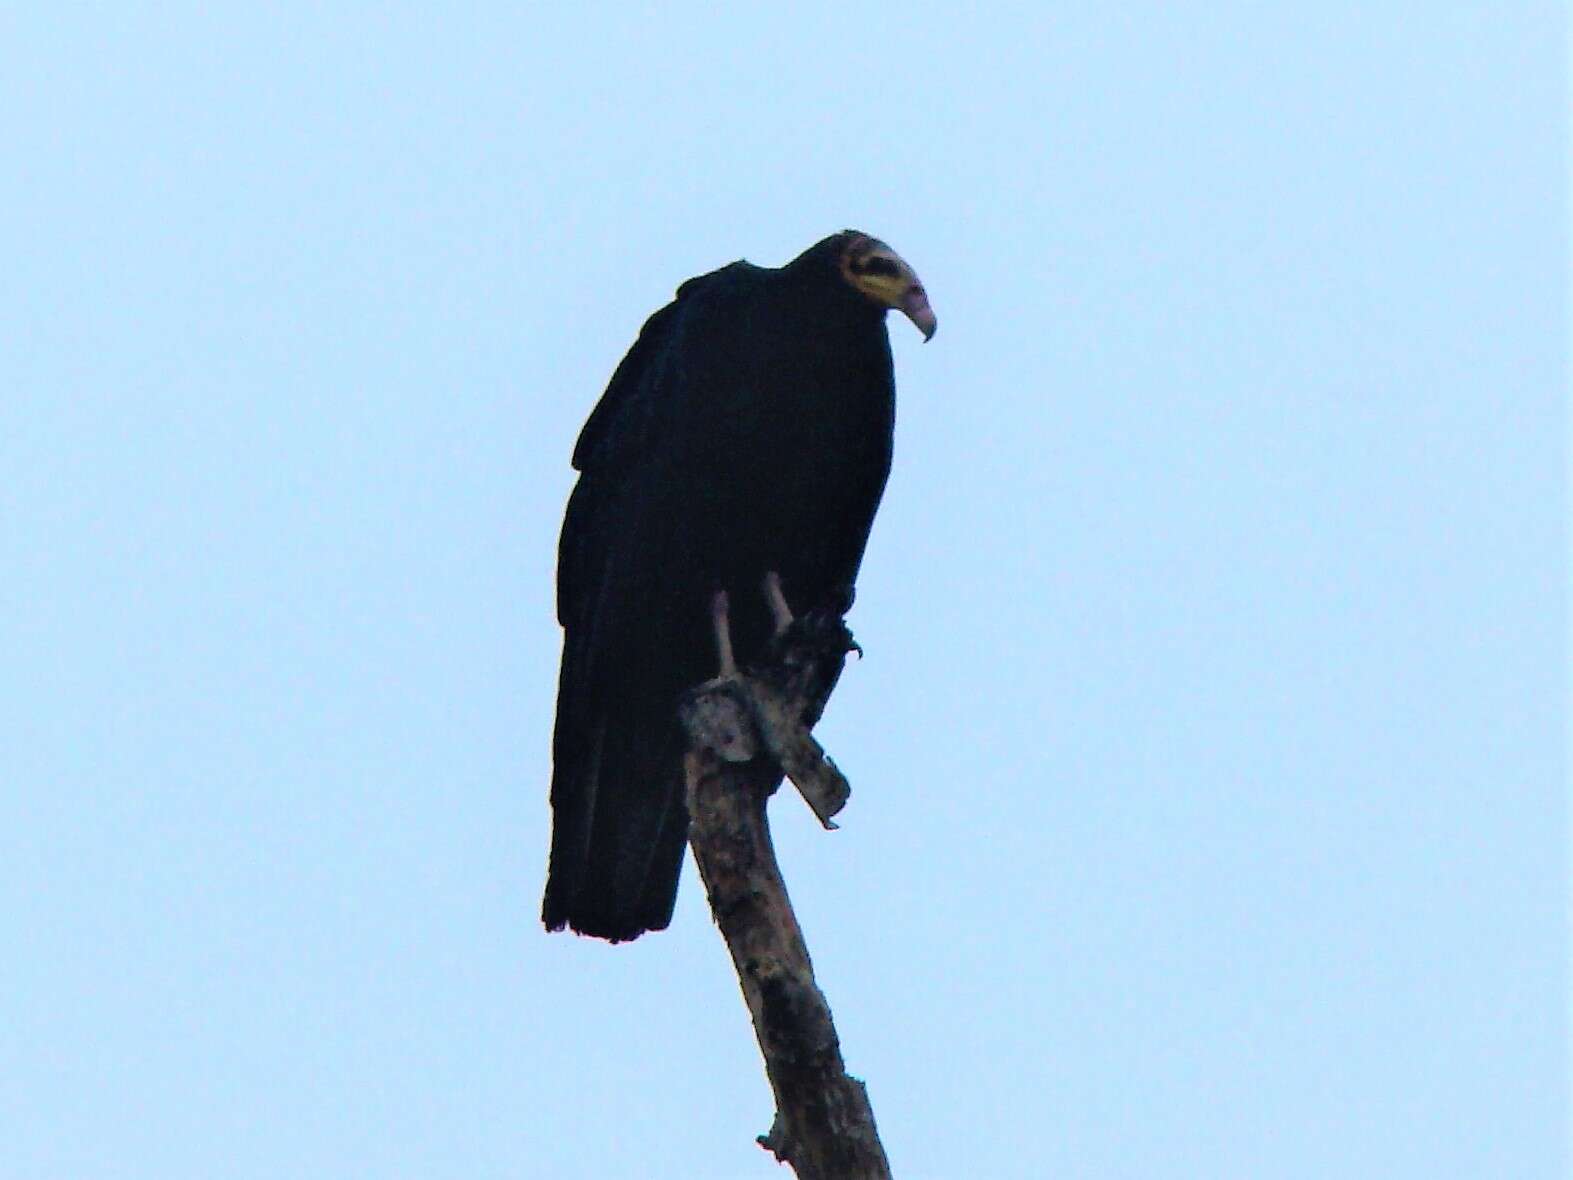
728	481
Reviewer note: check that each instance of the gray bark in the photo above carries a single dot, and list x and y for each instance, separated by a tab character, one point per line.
743	731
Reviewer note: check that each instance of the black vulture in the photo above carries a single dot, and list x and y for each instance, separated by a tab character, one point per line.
728	480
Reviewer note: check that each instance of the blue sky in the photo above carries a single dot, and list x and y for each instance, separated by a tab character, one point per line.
1208	756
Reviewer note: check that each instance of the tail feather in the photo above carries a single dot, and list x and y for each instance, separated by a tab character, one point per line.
619	821
619	825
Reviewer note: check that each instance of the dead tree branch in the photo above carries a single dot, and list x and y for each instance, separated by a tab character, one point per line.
742	732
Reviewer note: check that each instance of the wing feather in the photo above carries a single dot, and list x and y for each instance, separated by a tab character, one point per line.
619	828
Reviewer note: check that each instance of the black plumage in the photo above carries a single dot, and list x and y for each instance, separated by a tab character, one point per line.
747	431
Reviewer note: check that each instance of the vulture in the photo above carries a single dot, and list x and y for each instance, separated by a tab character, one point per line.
728	479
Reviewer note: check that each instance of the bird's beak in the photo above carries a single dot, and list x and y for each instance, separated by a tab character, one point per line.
915	306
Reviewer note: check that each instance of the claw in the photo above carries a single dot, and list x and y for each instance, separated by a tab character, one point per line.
821	631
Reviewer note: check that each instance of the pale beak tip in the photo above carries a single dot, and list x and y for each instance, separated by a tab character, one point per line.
916	308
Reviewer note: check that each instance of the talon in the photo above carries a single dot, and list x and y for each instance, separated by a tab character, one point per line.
820	631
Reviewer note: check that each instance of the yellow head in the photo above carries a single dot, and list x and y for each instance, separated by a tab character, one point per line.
877	271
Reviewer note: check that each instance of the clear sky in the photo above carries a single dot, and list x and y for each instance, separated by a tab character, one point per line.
1209	811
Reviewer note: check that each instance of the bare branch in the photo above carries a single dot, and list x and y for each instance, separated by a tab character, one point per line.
824	1125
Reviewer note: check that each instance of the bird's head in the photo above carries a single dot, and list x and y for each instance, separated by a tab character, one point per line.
878	273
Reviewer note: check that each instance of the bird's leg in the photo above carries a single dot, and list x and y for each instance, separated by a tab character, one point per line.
716	713
779	610
720	620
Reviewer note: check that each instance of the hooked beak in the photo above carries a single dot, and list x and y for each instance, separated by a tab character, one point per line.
915	306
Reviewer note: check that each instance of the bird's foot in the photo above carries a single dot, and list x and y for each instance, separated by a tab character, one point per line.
817	635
